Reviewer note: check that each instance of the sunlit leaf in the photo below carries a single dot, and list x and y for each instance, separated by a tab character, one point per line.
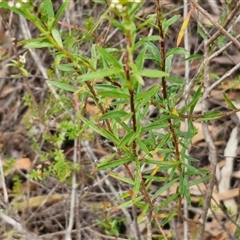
38	45
184	27
57	37
63	86
100	74
152	73
48	7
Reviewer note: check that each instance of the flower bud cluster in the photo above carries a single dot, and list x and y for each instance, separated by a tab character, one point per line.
119	4
16	4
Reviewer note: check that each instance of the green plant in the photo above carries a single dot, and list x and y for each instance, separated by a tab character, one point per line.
114	79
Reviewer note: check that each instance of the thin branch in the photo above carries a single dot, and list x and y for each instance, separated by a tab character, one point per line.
17	226
210	144
216	24
3	183
73	195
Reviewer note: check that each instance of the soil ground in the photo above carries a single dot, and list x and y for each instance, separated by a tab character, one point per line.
42	207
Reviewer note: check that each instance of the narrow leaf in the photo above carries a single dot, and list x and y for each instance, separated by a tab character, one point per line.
113	163
48	7
210	116
165	187
127	204
154	52
143	213
99	74
229	102
57	37
176	51
114	114
129	137
193	57
169	22
200	180
60	12
121	178
146	39
109	58
184	27
140	58
63	86
38	45
152	73
113	94
137	182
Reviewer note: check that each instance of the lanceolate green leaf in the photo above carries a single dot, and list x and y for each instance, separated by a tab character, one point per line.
67	67
177	50
113	94
128	203
109	58
113	164
171	199
143	213
38	45
152	73
210	116
154	52
198	181
165	187
192	169
100	74
146	39
129	137
169	217
102	131
142	146
57	37
176	80
194	101
48	7
193	57
229	102
140	58
137	182
121	178
114	114
169	63
148	94
156	125
168	164
63	86
60	12
169	22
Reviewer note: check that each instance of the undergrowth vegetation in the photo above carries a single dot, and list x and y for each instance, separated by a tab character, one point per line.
106	94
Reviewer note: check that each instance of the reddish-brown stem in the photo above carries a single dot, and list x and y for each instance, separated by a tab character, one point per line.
163	68
162	47
131	91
